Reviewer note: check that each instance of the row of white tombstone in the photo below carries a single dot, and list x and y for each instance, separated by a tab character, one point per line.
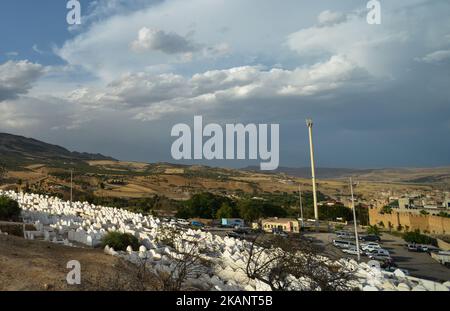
80	222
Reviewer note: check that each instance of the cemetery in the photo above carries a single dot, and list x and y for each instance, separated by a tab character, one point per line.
80	224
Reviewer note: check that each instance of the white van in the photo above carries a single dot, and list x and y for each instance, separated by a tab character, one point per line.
345	235
343	244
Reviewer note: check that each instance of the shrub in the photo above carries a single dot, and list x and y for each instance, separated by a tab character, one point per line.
373	230
417	237
9	209
386	210
338	227
120	241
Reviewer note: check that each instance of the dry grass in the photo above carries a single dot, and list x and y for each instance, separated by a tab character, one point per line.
38	266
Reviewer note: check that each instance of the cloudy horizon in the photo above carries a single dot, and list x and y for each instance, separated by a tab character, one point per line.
116	84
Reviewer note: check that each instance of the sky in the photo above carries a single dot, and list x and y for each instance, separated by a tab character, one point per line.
379	95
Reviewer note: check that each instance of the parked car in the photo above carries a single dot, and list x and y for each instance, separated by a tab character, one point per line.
352	251
377	252
411	247
343	244
373	244
370	237
345	235
419	248
197	224
379	256
370	247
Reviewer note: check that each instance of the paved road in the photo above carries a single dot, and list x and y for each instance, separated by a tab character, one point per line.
418	264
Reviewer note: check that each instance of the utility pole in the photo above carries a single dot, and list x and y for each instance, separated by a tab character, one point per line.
301	203
309	123
71	186
354	220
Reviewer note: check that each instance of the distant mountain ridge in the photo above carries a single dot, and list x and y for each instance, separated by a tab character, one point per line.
20	148
321	172
405	175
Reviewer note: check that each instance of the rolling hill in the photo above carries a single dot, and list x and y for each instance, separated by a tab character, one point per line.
45	168
434	175
19	149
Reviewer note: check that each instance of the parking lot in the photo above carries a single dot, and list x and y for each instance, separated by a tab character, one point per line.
418	264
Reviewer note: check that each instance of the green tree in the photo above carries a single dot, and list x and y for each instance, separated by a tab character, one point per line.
394	204
252	209
9	209
225	211
386	210
203	205
249	210
3	171
443	214
336	211
373	230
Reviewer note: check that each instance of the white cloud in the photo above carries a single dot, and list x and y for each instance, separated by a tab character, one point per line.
159	40
152	96
436	57
37	50
329	18
17	77
384	50
103	48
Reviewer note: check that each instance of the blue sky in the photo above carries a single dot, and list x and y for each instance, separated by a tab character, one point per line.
117	84
24	24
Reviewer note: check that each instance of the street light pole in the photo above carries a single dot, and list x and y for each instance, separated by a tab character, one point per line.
301	203
309	123
71	186
354	220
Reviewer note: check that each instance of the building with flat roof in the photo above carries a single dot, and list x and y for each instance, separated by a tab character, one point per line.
405	203
283	224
